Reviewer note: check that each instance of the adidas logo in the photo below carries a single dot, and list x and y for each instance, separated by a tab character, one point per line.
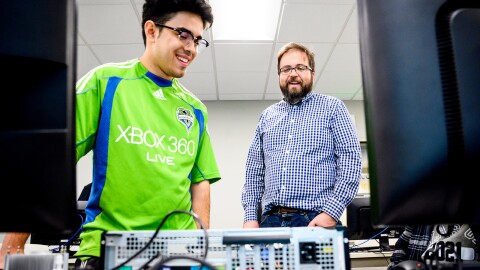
159	94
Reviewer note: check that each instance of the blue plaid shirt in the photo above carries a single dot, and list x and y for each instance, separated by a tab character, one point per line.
303	156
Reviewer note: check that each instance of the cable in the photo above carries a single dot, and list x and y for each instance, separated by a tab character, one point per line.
73	237
145	265
368	239
195	216
163	261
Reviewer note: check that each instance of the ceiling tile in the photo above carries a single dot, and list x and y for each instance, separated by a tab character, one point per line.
203	62
350	33
200	83
102	2
243	57
324	22
118	52
207	97
358	95
86	60
241	82
345	57
336	2
109	24
240	96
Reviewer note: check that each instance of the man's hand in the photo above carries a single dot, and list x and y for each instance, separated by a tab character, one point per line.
323	220
251	224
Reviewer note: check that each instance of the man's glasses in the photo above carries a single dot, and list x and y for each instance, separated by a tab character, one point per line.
187	37
299	69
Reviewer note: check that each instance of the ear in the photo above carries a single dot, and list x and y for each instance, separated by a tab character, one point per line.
149	29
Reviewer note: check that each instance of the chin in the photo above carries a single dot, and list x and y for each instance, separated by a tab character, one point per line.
295	90
179	74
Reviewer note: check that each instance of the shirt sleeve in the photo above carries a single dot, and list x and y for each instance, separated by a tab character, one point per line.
206	167
254	177
88	108
348	162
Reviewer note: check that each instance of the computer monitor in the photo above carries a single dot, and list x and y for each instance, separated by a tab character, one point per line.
421	81
360	227
37	126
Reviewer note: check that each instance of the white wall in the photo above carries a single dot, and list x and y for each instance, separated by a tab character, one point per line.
231	126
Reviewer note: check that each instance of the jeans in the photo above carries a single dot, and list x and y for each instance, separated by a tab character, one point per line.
300	219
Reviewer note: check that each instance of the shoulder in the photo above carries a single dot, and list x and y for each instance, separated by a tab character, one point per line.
127	69
326	99
188	96
116	69
276	107
274	110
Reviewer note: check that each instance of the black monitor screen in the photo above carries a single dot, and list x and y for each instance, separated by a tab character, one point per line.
421	80
37	112
360	226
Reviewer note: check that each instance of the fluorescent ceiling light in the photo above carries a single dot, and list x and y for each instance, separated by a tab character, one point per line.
245	19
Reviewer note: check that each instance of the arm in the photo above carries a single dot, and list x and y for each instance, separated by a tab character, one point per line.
323	220
12	243
251	224
401	248
201	202
254	186
348	162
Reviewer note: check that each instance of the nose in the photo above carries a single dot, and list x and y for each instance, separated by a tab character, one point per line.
190	46
296	71
293	72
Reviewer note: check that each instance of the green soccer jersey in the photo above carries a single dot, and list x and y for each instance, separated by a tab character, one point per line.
150	142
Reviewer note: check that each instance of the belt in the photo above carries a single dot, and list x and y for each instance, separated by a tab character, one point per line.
286	210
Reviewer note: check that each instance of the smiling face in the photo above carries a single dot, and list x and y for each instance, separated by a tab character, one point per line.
166	55
295	85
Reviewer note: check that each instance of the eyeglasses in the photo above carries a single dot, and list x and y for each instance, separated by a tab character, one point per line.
187	37
299	69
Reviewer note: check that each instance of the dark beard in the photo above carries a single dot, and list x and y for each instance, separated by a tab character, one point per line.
294	98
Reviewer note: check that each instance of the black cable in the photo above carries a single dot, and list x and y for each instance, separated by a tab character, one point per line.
373	237
145	265
195	216
163	261
73	237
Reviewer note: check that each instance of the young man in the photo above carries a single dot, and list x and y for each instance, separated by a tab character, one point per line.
304	163
152	150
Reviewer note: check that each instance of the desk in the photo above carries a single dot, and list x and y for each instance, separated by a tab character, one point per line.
370	268
370	259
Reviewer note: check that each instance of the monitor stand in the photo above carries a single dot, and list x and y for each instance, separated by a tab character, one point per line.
384	242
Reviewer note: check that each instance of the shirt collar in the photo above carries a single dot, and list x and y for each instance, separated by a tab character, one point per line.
159	80
304	99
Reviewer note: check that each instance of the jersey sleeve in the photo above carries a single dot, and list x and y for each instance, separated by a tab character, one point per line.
206	167
88	108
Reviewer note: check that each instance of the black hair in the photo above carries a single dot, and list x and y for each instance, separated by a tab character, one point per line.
161	11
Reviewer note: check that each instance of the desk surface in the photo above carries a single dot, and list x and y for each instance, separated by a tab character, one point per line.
367	259
370	268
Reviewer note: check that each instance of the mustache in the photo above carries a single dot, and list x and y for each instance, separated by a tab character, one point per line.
294	81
